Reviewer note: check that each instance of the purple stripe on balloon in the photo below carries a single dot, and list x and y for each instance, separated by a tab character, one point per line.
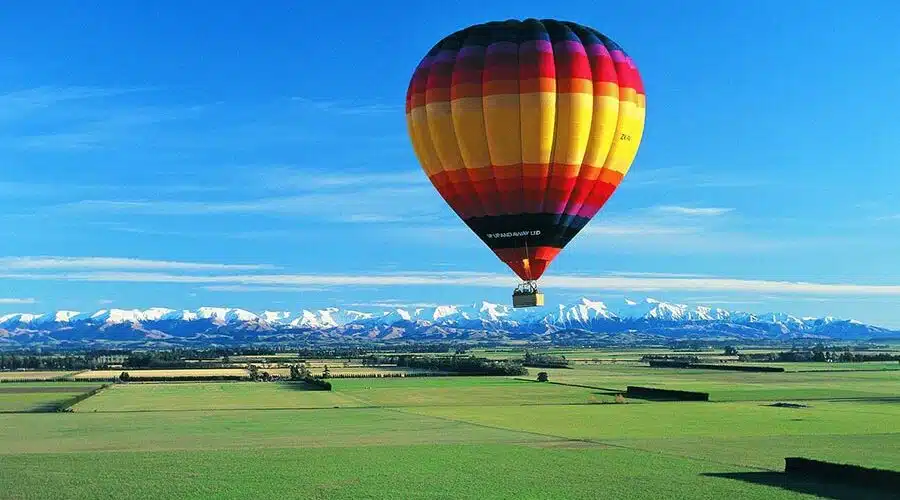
597	49
556	207
425	63
445	56
471	51
536	46
569	46
503	47
618	56
587	210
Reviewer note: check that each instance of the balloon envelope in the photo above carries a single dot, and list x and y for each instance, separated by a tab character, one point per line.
526	128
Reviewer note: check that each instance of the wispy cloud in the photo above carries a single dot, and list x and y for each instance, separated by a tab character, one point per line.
114	125
9	300
693	211
491	280
262	289
78	118
362	204
677	229
18	103
681	178
53	263
288	178
344	107
658	275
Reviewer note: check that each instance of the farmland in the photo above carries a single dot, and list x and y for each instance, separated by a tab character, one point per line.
36	397
139	374
32	375
454	437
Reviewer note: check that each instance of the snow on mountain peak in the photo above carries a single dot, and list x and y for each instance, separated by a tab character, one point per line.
444	311
156	313
582	313
275	316
57	317
115	316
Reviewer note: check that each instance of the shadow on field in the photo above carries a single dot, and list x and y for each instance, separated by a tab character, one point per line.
299	386
781	480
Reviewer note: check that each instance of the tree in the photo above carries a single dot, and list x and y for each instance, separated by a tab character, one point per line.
731	350
124	377
326	373
543	377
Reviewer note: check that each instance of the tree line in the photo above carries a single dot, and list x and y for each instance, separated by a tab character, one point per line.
545	360
470	365
301	373
819	355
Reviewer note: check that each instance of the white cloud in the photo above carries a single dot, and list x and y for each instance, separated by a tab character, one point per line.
17	301
649	229
382	204
50	263
18	103
687	178
658	275
347	107
492	280
694	211
251	289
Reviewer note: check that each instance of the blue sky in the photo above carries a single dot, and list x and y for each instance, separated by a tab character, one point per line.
255	155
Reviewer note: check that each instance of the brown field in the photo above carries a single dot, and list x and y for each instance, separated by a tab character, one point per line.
138	374
29	375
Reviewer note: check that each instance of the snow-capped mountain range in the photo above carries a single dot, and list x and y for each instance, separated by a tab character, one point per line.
583	320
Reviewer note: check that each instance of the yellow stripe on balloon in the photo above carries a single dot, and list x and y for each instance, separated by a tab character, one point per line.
603	130
468	122
443	135
538	118
627	139
501	115
573	127
421	138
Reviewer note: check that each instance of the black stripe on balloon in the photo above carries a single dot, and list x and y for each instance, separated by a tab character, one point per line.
537	230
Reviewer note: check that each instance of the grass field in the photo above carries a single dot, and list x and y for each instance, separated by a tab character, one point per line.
35	397
456	437
211	396
738	386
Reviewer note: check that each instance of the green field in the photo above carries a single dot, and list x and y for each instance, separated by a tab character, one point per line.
37	396
738	386
456	437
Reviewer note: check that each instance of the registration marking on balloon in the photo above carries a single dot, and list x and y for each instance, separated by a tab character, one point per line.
526	129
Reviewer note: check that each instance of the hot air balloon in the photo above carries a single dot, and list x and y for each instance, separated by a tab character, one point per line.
526	128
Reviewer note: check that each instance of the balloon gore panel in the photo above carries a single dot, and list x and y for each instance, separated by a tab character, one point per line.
526	128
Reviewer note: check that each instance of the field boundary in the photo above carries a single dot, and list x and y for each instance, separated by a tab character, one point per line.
67	405
582	386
